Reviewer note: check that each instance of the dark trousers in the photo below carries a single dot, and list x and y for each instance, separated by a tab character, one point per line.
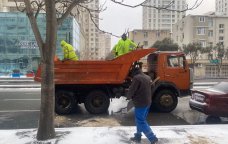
141	123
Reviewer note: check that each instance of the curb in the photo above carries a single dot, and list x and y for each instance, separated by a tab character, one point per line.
195	85
20	86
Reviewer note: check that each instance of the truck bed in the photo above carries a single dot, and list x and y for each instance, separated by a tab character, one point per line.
95	72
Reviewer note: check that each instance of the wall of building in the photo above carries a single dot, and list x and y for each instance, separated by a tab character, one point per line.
148	37
105	45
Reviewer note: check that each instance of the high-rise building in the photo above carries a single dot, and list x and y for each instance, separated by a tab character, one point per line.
105	45
91	31
221	7
162	19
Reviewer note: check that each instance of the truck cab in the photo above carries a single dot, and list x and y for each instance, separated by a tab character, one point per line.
175	78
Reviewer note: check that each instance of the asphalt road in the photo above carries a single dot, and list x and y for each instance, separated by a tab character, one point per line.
19	109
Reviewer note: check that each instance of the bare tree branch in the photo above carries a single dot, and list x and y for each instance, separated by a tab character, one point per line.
34	26
68	10
92	19
37	6
167	7
20	6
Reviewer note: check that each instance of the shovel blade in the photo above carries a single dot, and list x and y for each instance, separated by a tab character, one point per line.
130	105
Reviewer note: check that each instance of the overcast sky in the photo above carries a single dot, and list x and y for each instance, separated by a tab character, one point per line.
117	19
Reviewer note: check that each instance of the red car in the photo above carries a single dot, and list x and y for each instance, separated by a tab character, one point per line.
212	101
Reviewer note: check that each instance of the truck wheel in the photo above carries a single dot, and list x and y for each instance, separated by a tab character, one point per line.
165	101
65	102
97	102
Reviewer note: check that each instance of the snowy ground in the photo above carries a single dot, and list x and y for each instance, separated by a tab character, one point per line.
197	134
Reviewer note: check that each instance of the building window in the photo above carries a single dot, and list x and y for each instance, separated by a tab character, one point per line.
210	33
202	19
145	34
211	44
145	43
201	31
210	22
221	26
221	31
157	33
221	38
203	43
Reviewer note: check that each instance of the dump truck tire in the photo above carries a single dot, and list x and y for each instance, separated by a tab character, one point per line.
97	102
165	101
65	102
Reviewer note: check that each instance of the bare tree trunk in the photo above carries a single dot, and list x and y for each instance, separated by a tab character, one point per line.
46	123
220	68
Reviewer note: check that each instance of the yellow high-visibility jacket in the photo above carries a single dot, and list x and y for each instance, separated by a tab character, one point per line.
123	47
68	51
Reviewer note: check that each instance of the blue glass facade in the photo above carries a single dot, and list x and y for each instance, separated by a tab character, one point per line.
18	47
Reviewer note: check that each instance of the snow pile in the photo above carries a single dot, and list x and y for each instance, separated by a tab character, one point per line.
197	134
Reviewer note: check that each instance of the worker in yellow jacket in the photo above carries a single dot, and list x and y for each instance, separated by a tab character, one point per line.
123	46
68	50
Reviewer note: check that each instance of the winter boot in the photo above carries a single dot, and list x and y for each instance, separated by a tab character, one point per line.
136	138
154	141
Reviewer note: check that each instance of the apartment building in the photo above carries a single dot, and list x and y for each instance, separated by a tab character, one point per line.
162	19
221	7
92	31
207	30
148	37
105	45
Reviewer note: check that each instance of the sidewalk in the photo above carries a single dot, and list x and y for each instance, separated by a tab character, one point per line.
19	83
187	134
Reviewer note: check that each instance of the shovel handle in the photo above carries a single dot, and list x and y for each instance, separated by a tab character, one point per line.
154	81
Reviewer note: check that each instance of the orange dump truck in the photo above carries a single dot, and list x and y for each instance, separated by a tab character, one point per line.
95	82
